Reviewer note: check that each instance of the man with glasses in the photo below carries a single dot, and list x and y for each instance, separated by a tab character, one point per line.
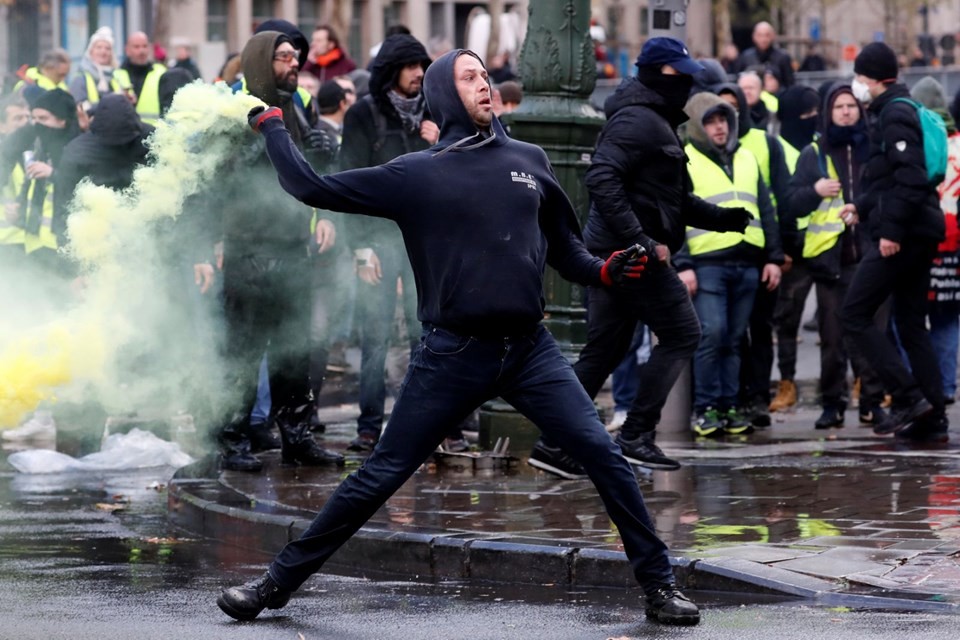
266	276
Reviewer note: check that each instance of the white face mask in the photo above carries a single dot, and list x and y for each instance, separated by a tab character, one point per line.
860	91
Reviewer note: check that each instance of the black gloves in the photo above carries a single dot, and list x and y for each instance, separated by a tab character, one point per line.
624	265
736	219
320	145
259	115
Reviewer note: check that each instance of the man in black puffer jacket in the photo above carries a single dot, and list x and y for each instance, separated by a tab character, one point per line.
641	193
906	223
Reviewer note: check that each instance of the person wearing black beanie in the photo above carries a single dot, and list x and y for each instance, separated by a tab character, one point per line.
906	224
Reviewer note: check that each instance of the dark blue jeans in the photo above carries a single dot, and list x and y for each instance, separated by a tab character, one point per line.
450	376
377	306
724	301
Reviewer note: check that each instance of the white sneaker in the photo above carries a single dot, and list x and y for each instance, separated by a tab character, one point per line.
39	427
619	417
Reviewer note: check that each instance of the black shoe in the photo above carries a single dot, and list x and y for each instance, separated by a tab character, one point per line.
554	460
735	423
364	442
948	400
872	414
240	461
930	430
247	601
831	418
644	452
298	445
758	414
262	438
669	606
902	418
315	425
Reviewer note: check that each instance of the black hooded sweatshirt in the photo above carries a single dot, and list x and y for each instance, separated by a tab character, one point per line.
373	133
107	155
638	180
481	214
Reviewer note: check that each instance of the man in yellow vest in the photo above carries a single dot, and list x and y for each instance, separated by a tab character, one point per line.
827	177
757	348
722	269
50	73
140	77
14	114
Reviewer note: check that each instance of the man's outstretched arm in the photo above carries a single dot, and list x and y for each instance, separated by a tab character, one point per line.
374	191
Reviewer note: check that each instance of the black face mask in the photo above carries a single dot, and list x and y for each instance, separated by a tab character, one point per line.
855	135
799	133
675	89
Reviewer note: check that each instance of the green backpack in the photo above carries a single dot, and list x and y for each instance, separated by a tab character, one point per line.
934	141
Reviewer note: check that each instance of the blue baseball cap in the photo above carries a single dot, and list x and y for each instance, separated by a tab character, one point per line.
657	52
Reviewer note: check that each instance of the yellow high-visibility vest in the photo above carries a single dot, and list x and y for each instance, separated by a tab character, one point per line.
42	81
711	183
771	101
790	154
93	94
148	102
44	238
9	232
825	226
756	141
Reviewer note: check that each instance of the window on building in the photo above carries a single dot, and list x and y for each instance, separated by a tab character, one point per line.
263	10
217	11
309	13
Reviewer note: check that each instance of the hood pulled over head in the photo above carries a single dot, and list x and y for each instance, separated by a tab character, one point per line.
699	108
299	41
457	129
115	121
396	52
744	121
257	63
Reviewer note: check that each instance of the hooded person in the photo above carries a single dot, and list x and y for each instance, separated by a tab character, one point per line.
479	264
944	293
799	106
379	127
756	362
722	271
107	154
38	149
640	193
95	77
171	82
828	176
266	265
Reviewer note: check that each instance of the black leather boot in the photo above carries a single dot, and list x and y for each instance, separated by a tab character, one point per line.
668	605
235	447
262	438
248	600
298	445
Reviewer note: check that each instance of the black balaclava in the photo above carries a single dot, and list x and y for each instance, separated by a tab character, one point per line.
794	103
674	89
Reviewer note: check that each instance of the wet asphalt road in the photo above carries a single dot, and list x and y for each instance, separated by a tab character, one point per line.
70	569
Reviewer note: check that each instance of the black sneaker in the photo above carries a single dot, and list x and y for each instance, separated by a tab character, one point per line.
554	460
735	423
669	606
930	430
644	452
872	414
707	424
758	414
902	418
831	418
247	601
364	442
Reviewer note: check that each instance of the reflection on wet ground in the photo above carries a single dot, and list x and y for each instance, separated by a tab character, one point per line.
866	491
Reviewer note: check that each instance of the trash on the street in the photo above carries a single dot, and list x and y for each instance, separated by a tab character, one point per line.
134	450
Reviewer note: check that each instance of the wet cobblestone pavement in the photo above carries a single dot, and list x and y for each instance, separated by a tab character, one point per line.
786	510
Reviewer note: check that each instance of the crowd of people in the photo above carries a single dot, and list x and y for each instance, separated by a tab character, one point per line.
718	200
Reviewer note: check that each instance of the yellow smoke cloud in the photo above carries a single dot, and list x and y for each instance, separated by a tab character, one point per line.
50	351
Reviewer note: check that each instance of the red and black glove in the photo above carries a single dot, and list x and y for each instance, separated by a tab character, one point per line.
623	266
259	115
